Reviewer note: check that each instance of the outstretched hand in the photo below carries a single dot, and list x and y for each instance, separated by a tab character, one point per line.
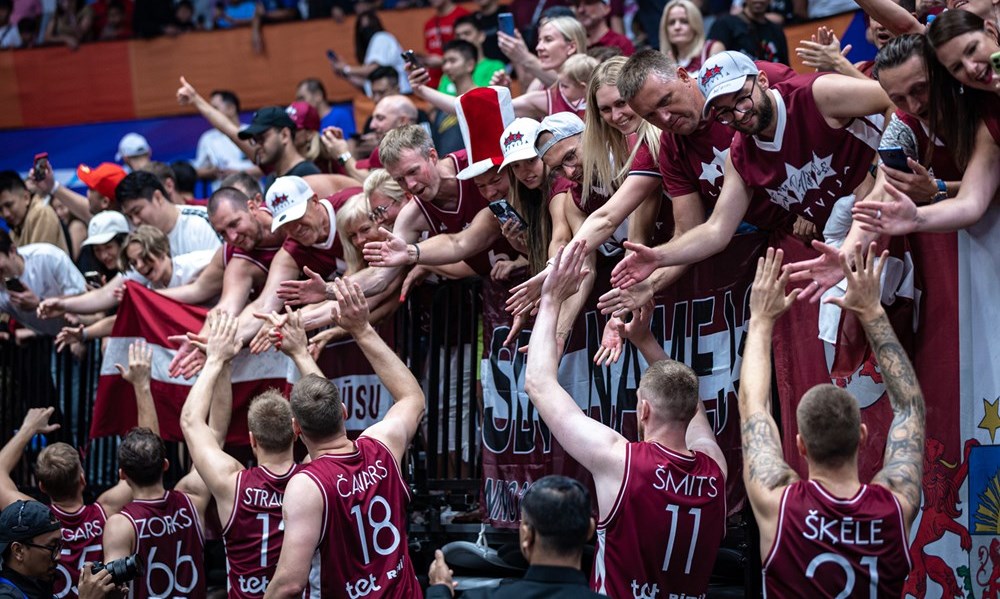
768	300
822	272
392	250
222	343
351	310
311	290
898	217
286	332
864	288
186	93
140	360
37	421
568	272
524	297
189	359
636	267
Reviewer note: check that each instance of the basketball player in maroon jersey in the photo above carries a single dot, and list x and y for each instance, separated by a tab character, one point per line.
349	502
831	535
661	500
799	146
248	499
60	476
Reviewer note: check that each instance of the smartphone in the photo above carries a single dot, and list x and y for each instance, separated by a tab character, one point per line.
505	23
40	166
505	212
410	57
331	55
995	61
894	158
93	278
14	284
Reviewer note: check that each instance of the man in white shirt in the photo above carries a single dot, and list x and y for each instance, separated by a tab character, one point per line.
218	156
43	271
144	201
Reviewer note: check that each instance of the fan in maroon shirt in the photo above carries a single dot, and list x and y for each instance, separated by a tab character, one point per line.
593	15
831	535
798	145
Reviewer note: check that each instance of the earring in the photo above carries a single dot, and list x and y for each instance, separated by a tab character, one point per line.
961	89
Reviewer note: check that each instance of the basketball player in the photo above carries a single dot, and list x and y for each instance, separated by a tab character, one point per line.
661	500
248	499
349	502
830	535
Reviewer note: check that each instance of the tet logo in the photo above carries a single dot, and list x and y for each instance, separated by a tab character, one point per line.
710	74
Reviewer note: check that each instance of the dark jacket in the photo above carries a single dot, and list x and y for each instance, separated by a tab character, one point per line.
539	582
32	588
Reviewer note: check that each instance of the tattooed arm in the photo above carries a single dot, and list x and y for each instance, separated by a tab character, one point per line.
902	464
765	472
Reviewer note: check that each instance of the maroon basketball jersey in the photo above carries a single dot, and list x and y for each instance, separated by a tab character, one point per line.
663	531
470	203
82	534
809	165
327	256
363	548
254	532
557	102
831	547
168	537
260	257
942	162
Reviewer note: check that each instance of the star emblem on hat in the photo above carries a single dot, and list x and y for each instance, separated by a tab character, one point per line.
513	138
278	201
710	74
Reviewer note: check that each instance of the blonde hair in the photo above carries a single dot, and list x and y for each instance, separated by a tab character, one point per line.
380	180
58	468
579	68
571	30
152	244
314	149
270	420
680	55
600	138
407	137
354	209
533	205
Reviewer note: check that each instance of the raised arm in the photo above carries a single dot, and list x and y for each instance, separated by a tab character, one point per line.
438	249
598	448
902	464
35	421
867	97
894	17
188	96
139	374
396	430
216	467
287	334
283	268
765	471
96	300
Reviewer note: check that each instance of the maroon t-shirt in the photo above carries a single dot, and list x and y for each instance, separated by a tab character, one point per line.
254	532
260	257
809	165
372	162
363	547
169	538
82	537
665	526
470	203
325	261
829	546
613	39
557	102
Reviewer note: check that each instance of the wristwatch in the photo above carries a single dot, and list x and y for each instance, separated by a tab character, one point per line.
343	158
942	193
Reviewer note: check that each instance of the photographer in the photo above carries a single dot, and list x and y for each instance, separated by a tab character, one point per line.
30	542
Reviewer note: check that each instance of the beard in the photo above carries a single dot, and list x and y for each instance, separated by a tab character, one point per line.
765	116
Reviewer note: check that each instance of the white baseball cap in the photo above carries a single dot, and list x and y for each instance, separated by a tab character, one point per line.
104	226
131	145
561	125
724	73
517	142
288	198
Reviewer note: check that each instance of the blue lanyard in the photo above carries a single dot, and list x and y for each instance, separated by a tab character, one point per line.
9	583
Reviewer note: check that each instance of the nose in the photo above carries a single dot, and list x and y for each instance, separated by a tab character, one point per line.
970	67
231	235
135	220
569	171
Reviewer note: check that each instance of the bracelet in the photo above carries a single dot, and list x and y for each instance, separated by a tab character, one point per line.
942	193
83	333
344	158
416	248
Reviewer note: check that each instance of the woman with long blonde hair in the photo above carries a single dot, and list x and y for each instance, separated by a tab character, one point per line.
682	35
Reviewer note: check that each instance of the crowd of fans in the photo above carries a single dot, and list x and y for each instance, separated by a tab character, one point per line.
615	170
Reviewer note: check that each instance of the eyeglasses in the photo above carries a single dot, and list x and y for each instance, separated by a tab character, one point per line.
743	105
570	160
378	213
54	550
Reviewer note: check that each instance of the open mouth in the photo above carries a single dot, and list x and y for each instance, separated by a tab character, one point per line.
985	76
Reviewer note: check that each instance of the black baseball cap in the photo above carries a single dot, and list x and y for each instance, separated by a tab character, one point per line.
25	520
266	118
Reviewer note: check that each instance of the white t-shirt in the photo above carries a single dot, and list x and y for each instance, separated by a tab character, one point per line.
186	269
192	232
216	149
385	50
48	272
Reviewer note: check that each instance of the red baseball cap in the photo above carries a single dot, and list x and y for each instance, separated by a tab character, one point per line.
304	116
103	179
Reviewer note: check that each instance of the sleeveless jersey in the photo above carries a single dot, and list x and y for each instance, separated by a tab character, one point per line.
662	533
169	538
82	536
809	165
942	162
831	547
557	102
254	531
363	547
261	257
324	260
470	203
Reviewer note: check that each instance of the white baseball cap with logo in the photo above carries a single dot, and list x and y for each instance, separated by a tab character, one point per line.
104	226
724	73
517	142
287	199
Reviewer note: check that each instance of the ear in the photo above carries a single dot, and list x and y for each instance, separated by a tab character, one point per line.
41	487
166	464
343	408
762	81
433	155
644	410
801	446
295	427
591	529
864	435
121	475
683	75
253	441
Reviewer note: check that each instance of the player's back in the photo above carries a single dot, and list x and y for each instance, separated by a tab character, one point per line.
170	541
82	540
254	532
363	546
663	532
827	546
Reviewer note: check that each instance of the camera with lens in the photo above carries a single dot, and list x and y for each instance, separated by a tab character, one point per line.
124	569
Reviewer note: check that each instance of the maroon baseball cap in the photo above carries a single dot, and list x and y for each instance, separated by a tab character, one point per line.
304	116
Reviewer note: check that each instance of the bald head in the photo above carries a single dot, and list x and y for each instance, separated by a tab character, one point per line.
391	112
